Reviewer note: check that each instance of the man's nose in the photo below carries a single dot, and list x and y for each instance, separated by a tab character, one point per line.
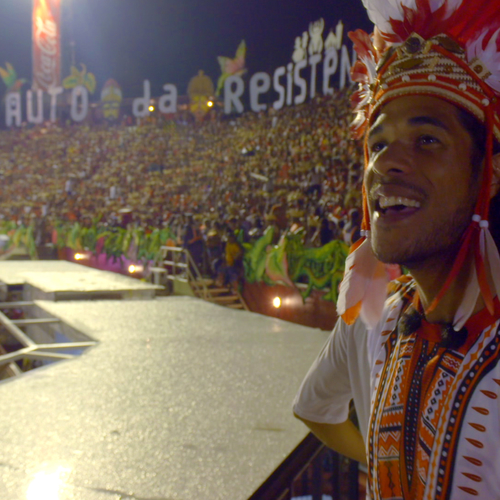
394	159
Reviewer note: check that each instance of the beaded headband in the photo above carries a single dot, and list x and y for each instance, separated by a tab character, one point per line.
436	67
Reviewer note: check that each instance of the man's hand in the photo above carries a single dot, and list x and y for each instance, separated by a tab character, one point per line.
342	438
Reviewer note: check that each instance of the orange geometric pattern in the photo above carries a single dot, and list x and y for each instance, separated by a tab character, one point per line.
419	407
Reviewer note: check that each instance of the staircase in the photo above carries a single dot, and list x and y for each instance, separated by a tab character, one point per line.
225	296
176	264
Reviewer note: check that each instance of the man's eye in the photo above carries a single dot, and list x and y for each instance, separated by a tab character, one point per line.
377	147
425	140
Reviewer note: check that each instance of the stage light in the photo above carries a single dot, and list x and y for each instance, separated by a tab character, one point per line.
135	268
277	302
210	104
79	256
151	108
48	485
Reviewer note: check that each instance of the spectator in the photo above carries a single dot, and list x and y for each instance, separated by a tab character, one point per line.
231	270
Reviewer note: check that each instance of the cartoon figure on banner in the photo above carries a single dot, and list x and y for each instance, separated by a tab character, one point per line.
80	78
316	32
201	93
232	67
111	99
300	50
9	77
334	40
305	40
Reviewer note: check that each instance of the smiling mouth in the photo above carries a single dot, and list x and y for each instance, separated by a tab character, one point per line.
392	205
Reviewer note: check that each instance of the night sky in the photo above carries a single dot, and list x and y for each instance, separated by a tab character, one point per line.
168	41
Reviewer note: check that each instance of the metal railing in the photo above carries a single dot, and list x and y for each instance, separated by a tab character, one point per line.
313	472
31	350
180	264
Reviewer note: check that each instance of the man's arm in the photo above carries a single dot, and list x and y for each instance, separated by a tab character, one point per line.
342	438
339	375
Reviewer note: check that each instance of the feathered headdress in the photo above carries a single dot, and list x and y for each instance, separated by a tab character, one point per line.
448	49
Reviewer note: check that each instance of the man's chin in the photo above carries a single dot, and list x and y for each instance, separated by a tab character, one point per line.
400	258
438	247
411	260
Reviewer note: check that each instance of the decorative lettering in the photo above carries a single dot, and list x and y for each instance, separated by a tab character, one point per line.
330	66
300	82
289	84
232	102
140	106
13	109
345	68
168	102
79	103
54	92
278	73
30	115
260	83
313	62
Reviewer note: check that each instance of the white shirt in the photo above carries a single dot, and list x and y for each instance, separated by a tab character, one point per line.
341	373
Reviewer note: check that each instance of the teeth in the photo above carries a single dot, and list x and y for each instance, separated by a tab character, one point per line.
392	201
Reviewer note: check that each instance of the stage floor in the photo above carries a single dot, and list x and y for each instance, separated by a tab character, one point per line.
180	399
61	280
14	272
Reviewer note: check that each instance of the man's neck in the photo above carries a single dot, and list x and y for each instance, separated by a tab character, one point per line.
430	279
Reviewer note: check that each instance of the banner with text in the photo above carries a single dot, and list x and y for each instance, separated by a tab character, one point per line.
320	63
46	44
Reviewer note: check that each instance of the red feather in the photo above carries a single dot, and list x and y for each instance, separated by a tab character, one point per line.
363	43
359	73
472	18
422	21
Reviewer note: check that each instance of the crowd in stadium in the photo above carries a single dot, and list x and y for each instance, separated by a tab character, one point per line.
294	168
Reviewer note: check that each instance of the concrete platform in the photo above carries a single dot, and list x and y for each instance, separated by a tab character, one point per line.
181	399
61	280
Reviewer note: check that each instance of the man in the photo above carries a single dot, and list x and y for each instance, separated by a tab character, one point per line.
432	349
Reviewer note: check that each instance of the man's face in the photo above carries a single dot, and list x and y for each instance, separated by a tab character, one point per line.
421	192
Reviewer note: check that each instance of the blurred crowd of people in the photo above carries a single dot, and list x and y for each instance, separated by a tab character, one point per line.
295	169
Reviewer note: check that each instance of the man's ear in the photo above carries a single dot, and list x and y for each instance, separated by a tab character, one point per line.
495	181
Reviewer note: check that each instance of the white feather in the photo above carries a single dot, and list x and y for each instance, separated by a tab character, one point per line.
359	268
469	301
492	259
375	297
489	252
359	120
489	56
371	67
381	11
365	281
